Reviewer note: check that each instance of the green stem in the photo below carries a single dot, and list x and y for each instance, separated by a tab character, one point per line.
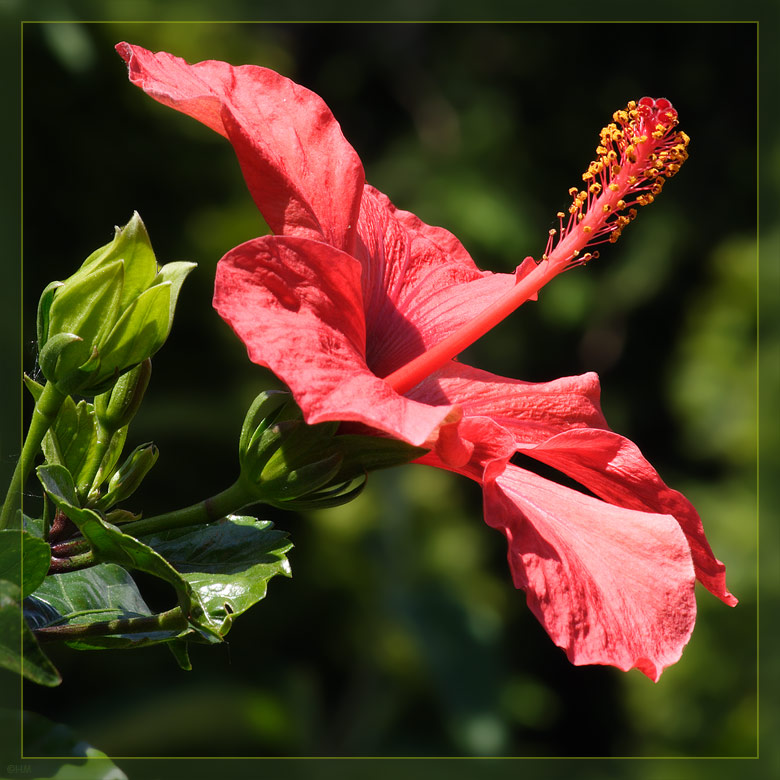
228	501
44	415
74	554
172	620
96	456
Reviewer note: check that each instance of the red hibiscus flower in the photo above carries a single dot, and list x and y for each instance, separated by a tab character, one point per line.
360	308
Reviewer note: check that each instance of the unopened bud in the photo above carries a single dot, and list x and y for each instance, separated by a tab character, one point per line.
113	313
116	407
292	465
128	476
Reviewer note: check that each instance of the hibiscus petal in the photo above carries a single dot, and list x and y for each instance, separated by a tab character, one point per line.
304	176
419	283
531	411
297	306
613	468
609	585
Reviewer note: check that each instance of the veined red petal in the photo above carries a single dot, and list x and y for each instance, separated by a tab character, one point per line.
304	176
613	468
531	411
297	306
419	283
610	585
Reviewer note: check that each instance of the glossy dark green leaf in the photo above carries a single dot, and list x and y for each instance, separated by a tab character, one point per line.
24	559
101	593
228	563
21	654
110	545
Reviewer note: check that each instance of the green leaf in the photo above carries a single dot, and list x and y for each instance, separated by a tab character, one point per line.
21	654
140	331
58	484
228	563
103	592
71	439
95	595
178	648
24	559
110	545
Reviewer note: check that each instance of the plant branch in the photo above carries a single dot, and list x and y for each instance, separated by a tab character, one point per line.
172	620
44	415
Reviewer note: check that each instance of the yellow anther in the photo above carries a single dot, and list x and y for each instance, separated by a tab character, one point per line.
552	232
587	229
572	191
606	208
614	187
560	215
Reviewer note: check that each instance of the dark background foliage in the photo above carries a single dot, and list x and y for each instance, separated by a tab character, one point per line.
400	632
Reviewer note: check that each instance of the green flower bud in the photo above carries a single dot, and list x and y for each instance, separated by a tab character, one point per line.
116	407
292	465
128	476
112	314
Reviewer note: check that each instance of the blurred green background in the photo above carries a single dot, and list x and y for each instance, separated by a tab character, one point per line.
400	633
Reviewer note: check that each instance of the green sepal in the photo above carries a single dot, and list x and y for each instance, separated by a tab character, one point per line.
88	305
174	274
59	359
42	318
363	454
140	331
260	416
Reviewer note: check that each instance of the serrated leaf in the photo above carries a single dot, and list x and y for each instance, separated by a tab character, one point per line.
228	563
110	545
21	654
24	559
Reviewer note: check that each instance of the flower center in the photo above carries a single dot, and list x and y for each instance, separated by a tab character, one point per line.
638	151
